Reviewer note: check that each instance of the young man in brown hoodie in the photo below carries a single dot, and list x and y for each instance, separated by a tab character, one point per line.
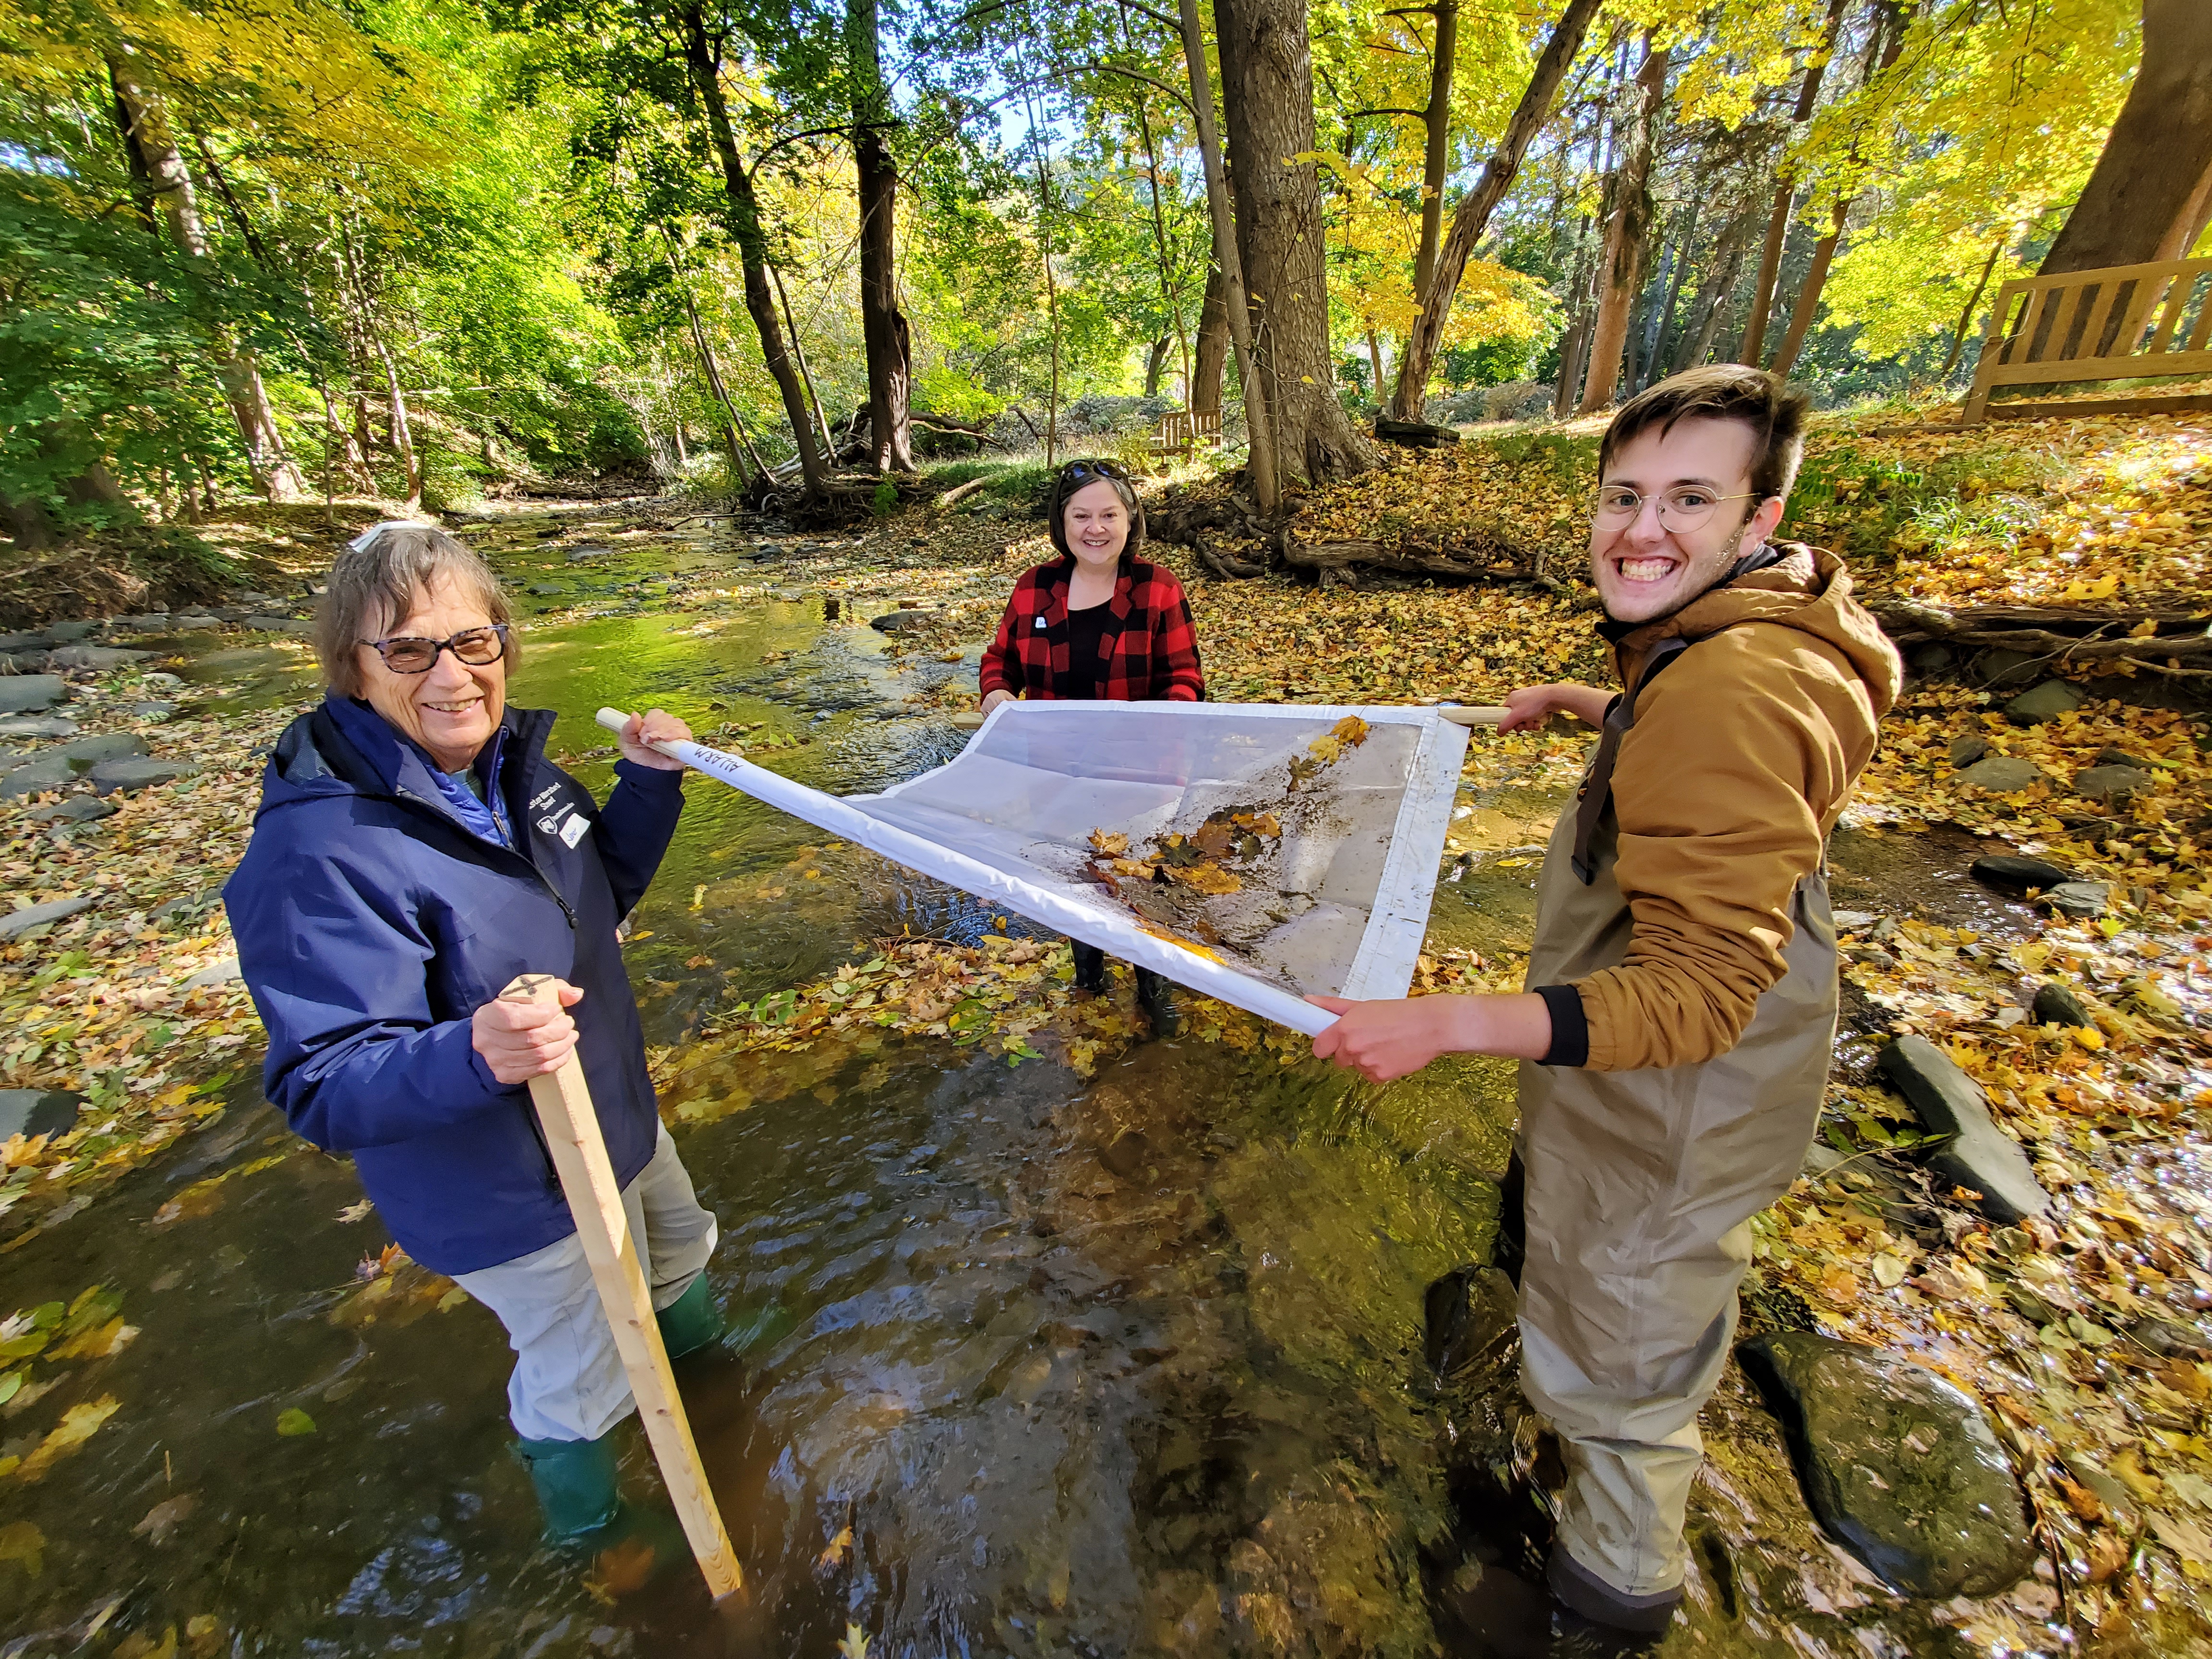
1675	1037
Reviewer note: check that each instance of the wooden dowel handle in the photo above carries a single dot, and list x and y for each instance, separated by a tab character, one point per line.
588	1178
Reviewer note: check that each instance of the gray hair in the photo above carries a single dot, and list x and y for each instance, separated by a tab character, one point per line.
375	584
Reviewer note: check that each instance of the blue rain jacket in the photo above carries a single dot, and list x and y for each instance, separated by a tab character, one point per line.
372	922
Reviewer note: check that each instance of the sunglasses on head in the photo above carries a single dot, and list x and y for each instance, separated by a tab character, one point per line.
1083	472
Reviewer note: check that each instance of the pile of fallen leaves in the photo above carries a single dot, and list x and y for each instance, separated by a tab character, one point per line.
130	1003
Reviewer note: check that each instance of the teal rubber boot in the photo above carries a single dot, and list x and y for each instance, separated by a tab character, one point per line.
576	1485
690	1322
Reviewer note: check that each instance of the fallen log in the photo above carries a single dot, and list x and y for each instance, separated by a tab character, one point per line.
1387	556
1908	622
1414	434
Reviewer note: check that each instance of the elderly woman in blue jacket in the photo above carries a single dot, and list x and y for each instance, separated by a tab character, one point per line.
413	852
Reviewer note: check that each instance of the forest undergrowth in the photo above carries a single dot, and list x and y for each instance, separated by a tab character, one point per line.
2081	1331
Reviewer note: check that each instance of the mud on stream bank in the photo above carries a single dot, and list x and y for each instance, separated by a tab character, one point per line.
1036	1364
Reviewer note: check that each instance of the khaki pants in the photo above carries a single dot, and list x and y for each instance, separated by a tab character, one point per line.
1639	1186
568	1382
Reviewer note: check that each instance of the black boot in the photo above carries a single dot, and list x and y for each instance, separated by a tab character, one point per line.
1156	1000
1090	968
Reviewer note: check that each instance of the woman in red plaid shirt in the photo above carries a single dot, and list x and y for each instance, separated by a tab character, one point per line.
1100	622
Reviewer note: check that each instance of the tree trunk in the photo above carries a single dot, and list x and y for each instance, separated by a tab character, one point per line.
806	370
1168	295
705	66
1155	362
710	366
1809	293
1578	334
1374	361
1436	154
1472	218
883	325
1267	96
1785	191
2142	196
154	158
403	434
1212	353
1229	261
1656	341
1719	282
1627	232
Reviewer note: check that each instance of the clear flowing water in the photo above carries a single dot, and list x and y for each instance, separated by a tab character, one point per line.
1037	1364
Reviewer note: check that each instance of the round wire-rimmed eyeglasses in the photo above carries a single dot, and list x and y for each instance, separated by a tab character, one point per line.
1683	508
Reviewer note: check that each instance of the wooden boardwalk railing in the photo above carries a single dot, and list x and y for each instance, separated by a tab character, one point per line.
2125	322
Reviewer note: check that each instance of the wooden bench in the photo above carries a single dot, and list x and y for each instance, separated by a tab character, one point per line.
2125	322
1180	432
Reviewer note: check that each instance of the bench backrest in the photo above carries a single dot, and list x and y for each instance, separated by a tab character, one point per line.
2123	322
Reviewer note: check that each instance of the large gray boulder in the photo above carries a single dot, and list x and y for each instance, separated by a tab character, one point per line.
31	693
2001	774
127	777
2103	782
37	725
1978	1156
15	923
35	1112
1898	1465
2044	703
2012	873
50	770
84	753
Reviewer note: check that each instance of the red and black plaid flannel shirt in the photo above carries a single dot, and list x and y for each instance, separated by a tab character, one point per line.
1148	652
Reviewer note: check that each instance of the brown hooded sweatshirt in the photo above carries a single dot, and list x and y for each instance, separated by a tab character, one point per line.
1741	756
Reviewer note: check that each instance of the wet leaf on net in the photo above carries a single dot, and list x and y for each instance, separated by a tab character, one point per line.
834	1553
1208	878
294	1421
1108	843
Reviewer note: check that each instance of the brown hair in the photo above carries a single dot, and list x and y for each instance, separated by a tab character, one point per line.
1773	411
374	585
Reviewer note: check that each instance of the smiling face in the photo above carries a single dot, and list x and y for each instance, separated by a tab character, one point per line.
1642	570
453	709
1097	525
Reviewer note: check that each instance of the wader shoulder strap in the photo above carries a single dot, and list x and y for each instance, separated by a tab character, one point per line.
1597	783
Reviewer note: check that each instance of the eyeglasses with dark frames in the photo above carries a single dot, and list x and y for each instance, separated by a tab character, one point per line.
478	648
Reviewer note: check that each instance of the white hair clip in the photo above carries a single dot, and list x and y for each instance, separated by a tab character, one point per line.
375	529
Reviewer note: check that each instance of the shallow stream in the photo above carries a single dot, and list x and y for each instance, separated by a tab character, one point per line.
1038	1365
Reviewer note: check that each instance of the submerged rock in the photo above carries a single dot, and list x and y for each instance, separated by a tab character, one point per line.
2001	774
2018	875
1465	1315
1897	1464
1978	1154
2044	703
900	622
97	657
